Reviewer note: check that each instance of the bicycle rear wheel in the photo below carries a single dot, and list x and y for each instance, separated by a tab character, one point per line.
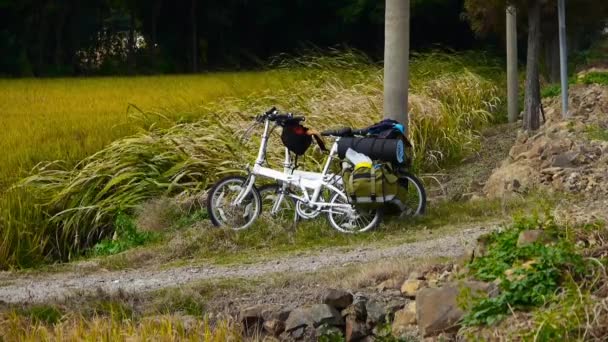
413	203
221	207
352	220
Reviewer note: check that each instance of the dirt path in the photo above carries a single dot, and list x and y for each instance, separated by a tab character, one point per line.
59	286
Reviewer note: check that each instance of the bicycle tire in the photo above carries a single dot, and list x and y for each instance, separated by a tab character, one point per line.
411	178
214	212
373	223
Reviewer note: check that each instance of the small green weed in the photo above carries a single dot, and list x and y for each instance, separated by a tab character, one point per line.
529	276
127	237
595	132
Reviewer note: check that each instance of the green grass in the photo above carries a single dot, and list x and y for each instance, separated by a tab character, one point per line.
595	78
63	209
597	133
551	90
266	240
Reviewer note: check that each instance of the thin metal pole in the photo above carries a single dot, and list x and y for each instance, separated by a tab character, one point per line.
512	78
561	4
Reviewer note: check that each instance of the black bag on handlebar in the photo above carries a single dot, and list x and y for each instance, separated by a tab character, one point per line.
298	138
295	137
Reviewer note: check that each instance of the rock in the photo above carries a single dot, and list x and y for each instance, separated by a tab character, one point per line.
313	316
437	309
481	249
300	334
515	177
517	150
280	314
389	284
565	159
551	170
338	299
411	307
356	311
393	306
415	275
379	313
404	318
274	327
467	257
299	318
528	237
376	312
522	137
410	287
252	317
355	330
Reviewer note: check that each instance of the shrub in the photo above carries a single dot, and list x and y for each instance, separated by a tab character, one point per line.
529	276
126	236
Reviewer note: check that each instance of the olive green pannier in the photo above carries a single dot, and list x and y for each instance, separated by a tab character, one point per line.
370	185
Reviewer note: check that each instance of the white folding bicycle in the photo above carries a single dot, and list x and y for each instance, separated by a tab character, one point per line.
235	201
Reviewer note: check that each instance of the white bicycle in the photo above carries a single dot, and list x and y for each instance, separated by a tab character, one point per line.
235	201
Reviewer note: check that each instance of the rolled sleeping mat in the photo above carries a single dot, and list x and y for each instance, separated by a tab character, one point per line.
388	150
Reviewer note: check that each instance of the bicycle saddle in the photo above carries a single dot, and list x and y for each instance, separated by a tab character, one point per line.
340	132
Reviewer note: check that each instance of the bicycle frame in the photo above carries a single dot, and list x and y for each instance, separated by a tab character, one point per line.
302	179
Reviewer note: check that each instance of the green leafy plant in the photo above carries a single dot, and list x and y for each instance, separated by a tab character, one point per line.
528	276
127	236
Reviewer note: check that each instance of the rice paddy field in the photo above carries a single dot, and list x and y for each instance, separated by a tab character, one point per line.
77	152
71	118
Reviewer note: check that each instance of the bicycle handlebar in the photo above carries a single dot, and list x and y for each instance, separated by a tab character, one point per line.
273	115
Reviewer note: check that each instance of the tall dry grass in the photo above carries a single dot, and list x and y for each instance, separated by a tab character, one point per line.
14	327
69	208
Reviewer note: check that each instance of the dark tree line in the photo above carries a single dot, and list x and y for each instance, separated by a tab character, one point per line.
75	37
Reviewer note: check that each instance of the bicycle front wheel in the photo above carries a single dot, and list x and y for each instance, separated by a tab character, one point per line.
348	219
222	209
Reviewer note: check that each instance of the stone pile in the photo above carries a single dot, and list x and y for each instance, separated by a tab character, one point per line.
424	305
564	155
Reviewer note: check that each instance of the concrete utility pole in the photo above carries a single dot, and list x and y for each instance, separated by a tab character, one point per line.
396	59
563	55
512	77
